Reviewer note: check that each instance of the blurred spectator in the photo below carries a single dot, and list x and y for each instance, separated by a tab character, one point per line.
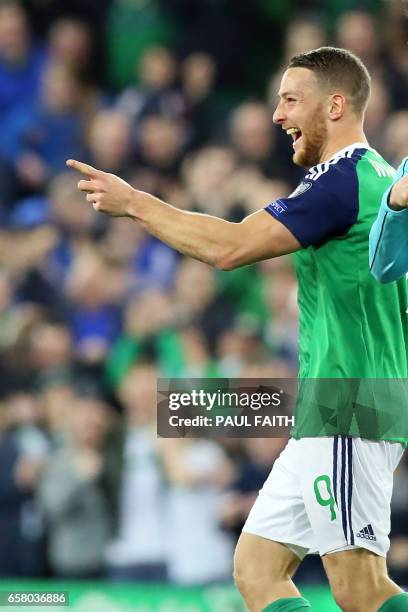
208	175
77	225
147	334
151	264
12	499
56	397
396	134
139	550
197	301
281	295
377	113
27	246
303	34
96	289
40	135
253	135
71	496
21	62
156	92
161	144
156	328
239	346
72	218
357	31
198	74
197	471
49	353
121	243
253	190
24	418
23	450
195	358
71	45
252	471
134	27
109	142
395	25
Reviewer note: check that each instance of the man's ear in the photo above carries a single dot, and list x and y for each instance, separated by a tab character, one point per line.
337	106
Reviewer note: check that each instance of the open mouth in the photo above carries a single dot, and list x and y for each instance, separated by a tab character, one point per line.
295	133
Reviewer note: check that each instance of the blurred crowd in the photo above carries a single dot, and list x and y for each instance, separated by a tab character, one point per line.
176	97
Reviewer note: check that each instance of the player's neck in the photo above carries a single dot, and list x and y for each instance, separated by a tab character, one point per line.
341	141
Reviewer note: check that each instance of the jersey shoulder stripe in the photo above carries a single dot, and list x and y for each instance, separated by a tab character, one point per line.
317	171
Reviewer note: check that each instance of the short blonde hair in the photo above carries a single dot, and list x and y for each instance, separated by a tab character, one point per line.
338	69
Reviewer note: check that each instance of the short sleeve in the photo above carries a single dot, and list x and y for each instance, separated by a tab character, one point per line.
323	206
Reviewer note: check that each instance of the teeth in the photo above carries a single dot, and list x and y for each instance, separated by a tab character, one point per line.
292	130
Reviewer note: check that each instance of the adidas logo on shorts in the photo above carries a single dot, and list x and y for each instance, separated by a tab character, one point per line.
367	533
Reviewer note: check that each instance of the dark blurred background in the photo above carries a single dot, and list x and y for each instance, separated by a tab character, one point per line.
175	96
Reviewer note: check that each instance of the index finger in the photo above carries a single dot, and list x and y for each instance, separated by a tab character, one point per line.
82	168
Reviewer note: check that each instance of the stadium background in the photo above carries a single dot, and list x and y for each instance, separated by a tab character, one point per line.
176	97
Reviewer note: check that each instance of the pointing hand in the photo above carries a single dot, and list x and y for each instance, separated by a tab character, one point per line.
106	192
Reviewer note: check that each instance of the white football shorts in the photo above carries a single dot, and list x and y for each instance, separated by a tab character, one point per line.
326	495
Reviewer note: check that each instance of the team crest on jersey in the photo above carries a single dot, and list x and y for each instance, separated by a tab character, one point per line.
302	188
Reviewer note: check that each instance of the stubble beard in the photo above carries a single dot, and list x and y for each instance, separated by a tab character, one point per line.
314	138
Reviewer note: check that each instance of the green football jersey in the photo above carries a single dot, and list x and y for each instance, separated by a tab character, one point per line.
353	336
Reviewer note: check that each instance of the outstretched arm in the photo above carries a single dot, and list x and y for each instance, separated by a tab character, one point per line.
389	234
214	241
